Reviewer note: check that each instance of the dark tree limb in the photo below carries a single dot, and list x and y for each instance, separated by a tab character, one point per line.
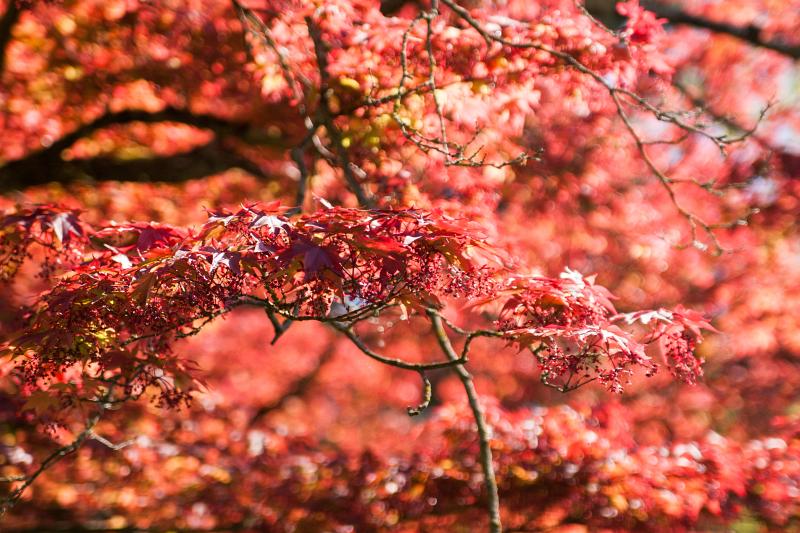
170	114
200	162
279	327
47	165
605	11
751	34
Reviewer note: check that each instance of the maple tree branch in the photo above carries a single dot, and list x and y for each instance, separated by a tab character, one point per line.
727	121
425	144
169	114
398	363
278	326
469	334
454	154
47	165
750	34
256	27
68	449
664	180
484	436
53	458
658	113
202	161
108	444
253	24
280	309
347	166
616	93
193	329
694	221
603	13
429	17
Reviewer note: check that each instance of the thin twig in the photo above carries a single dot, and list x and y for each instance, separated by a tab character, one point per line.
56	456
616	93
427	395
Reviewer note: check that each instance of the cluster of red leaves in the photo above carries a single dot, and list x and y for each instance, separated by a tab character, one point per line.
48	227
484	89
138	287
570	325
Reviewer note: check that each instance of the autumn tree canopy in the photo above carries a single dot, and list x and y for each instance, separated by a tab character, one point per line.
332	266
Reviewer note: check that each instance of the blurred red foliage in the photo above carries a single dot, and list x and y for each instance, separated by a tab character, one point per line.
213	211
